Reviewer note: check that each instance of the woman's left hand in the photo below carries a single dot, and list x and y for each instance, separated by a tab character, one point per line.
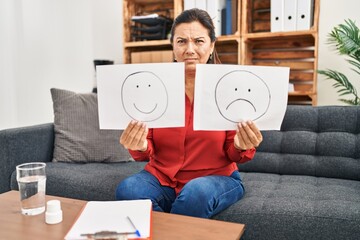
247	136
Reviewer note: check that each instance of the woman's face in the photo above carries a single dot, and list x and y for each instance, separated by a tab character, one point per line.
192	44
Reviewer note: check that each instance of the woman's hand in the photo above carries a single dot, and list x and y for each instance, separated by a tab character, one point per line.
134	136
247	136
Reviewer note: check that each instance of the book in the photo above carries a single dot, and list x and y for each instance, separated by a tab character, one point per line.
223	21
277	15
304	15
228	24
214	8
189	4
289	17
234	16
113	216
201	4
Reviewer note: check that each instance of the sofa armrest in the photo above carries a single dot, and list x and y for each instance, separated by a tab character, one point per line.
22	145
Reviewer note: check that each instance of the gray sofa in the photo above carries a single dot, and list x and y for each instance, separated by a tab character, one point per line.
304	182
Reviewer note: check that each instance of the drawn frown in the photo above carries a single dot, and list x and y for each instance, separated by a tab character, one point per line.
242	95
144	96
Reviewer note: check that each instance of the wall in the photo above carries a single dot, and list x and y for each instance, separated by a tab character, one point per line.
8	58
107	30
52	43
333	13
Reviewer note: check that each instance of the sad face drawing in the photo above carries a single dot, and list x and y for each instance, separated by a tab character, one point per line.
144	96
242	95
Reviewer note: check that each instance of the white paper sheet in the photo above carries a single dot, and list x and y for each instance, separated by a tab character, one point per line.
228	94
152	93
100	216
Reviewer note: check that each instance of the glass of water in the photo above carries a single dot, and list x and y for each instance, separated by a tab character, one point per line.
31	179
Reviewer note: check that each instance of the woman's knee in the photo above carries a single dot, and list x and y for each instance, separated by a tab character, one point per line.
195	199
135	187
206	196
124	190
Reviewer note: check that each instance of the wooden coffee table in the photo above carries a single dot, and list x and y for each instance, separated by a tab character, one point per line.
14	225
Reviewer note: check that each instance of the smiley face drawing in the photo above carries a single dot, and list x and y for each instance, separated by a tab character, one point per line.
242	95
144	96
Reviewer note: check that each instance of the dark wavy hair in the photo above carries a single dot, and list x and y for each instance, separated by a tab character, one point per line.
201	16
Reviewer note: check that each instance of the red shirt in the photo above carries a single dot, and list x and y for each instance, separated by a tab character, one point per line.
178	155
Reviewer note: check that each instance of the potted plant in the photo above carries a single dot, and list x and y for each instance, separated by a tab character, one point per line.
346	40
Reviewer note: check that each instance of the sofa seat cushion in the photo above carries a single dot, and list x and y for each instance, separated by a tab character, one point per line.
89	181
277	204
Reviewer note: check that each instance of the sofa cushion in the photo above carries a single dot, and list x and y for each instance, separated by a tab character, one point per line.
77	134
90	181
284	205
319	141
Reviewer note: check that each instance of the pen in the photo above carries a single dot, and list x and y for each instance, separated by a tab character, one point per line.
132	224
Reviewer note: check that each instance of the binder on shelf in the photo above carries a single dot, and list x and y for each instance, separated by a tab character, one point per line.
150	27
201	4
151	21
304	14
189	4
234	16
152	36
223	21
228	17
214	8
290	10
277	15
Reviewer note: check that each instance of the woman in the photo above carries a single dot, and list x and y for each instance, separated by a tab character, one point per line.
190	172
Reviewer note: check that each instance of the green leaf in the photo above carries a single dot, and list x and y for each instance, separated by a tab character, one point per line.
341	82
351	102
345	38
355	64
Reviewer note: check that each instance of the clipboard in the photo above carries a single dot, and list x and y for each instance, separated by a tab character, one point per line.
113	216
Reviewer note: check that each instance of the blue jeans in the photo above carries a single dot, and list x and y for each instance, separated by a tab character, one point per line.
200	197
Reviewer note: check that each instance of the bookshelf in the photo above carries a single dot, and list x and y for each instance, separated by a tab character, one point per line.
296	49
252	43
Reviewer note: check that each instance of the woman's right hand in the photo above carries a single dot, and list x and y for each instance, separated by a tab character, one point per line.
134	136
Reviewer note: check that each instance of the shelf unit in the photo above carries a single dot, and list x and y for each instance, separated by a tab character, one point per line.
228	46
252	44
297	49
168	8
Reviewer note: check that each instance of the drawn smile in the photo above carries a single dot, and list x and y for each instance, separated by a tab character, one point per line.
144	111
241	99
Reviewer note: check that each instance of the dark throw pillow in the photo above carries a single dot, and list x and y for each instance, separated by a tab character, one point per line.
77	134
